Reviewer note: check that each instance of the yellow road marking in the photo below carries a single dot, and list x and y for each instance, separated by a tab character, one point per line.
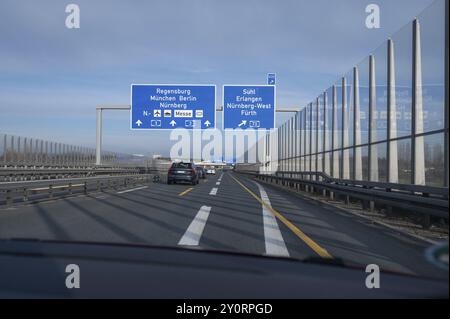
186	191
307	240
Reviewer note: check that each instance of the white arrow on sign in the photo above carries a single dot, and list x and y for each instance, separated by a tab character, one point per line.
139	123
172	123
207	123
244	122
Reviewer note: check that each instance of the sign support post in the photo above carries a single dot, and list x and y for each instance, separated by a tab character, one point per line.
99	124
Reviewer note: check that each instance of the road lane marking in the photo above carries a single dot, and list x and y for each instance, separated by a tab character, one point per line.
186	191
217	183
132	190
322	252
195	230
213	191
101	197
273	239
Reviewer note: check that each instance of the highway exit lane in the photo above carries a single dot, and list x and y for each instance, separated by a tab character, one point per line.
347	236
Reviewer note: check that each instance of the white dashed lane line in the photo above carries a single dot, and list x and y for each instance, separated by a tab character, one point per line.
213	191
195	230
274	241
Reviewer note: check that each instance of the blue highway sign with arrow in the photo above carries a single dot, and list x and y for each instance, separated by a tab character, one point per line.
248	106
271	79
170	106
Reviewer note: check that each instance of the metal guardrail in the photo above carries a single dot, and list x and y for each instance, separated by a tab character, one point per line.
9	174
34	191
415	199
417	189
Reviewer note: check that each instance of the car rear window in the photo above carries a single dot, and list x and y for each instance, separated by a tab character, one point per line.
181	165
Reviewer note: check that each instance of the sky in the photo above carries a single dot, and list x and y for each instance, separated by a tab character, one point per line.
52	77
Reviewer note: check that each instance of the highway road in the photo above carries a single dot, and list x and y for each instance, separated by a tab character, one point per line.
227	212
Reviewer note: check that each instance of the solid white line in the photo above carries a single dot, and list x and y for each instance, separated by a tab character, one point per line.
213	191
132	190
274	241
195	230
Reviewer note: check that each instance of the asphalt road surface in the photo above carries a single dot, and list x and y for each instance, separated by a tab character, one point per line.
227	212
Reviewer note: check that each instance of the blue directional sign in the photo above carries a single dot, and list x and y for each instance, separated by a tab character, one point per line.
248	106
271	79
164	107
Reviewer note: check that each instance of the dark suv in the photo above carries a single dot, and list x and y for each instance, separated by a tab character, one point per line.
183	172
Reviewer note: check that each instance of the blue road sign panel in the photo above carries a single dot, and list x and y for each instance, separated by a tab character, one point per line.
248	106
164	107
271	79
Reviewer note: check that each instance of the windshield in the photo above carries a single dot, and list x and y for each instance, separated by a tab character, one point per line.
303	130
